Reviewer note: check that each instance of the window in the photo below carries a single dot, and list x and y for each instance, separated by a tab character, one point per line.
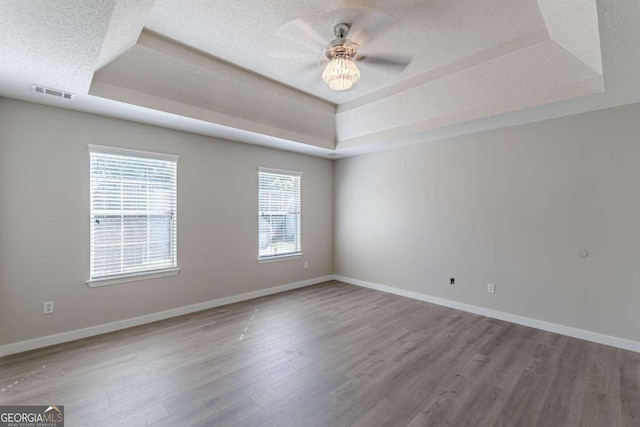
133	213
278	213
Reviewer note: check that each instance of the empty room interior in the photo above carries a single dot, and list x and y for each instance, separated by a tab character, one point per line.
320	213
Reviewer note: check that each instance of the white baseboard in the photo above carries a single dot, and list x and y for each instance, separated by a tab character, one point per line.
33	344
141	320
612	341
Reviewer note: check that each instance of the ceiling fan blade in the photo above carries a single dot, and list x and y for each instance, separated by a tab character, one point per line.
309	77
304	59
300	33
393	61
369	26
290	55
310	68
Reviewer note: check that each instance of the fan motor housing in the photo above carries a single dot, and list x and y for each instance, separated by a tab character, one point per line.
341	47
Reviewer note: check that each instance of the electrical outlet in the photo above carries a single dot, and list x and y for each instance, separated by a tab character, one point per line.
47	307
452	280
491	288
306	264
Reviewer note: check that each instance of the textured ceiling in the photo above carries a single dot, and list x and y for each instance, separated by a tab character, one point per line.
539	74
56	48
159	74
436	32
227	69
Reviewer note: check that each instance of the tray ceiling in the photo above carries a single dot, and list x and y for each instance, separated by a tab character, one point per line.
250	34
227	68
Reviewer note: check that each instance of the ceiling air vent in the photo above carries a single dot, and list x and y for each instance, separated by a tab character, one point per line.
53	92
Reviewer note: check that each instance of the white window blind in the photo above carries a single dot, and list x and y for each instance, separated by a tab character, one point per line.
133	212
278	213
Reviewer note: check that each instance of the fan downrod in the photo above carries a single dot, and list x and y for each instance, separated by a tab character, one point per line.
341	30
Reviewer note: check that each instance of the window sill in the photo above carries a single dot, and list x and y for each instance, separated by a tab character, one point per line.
133	277
287	257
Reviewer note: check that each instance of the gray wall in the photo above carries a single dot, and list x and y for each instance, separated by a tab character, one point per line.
44	220
512	207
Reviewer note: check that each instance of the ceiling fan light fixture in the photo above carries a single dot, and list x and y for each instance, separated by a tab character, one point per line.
341	73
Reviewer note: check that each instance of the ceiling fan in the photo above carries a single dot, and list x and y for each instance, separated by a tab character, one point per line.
340	56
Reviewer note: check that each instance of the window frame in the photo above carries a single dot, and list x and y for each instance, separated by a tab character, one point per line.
261	259
150	273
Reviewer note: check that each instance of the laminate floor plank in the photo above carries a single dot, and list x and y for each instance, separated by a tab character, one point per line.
524	405
599	410
229	416
445	403
291	408
563	403
330	355
630	408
